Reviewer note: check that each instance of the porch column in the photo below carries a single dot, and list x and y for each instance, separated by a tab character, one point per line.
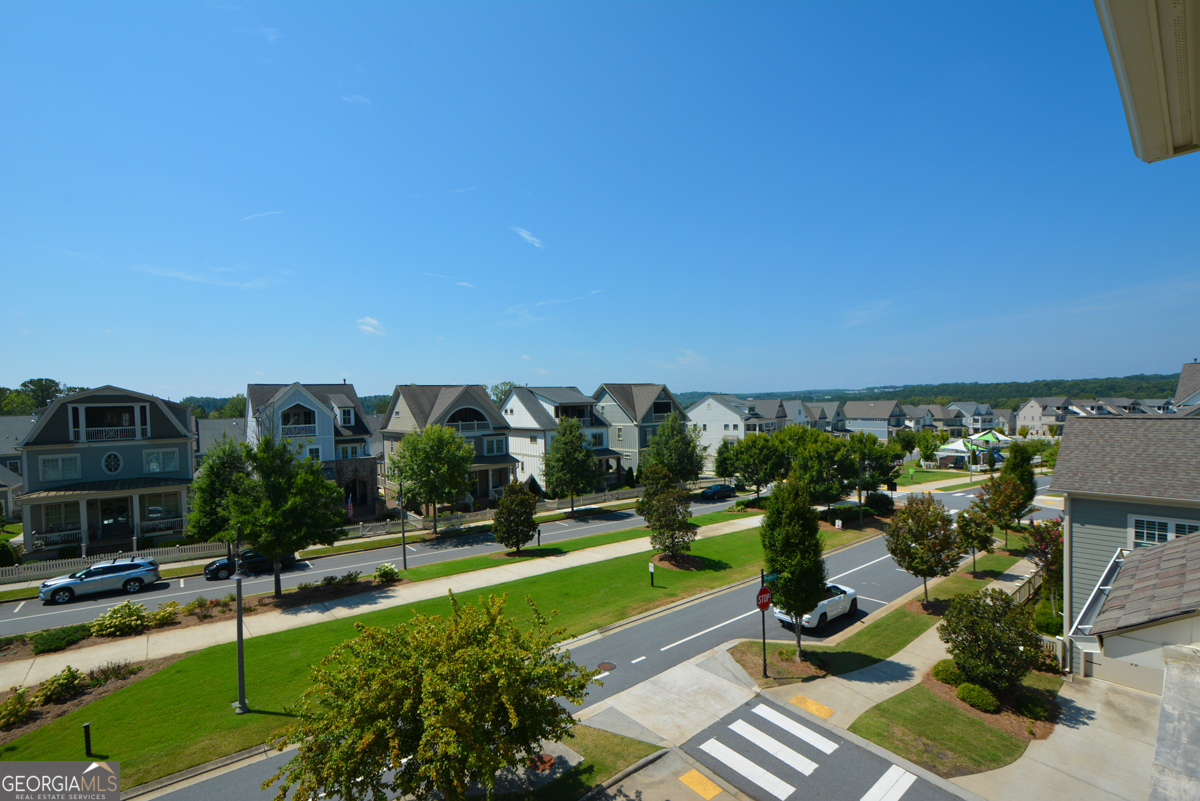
136	502
83	522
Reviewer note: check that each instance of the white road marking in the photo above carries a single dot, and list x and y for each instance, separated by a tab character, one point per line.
561	523
959	494
792	727
181	584
874	600
774	747
410	548
639	659
706	631
776	787
891	786
602	675
18	609
860	567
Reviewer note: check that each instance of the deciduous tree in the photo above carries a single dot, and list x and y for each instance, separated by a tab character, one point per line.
215	482
974	534
907	440
1022	431
570	466
792	548
759	461
429	706
235	407
876	463
927	443
819	459
991	638
664	505
1044	543
513	524
1001	501
433	465
725	461
500	391
283	503
1019	465
676	448
922	539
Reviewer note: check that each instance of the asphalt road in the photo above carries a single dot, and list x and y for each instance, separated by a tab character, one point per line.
22	617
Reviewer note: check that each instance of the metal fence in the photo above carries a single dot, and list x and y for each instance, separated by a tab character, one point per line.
34	571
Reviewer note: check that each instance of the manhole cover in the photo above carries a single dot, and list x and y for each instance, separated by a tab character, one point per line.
606	666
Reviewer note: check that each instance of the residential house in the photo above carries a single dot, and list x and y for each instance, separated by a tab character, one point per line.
1006	421
835	413
1154	406
811	415
977	417
1188	391
11	486
883	418
103	466
329	424
210	430
945	417
1120	405
13	429
634	413
1128	483
727	418
1091	407
917	418
469	410
1044	414
534	413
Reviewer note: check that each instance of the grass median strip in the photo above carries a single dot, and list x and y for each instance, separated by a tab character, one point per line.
191	720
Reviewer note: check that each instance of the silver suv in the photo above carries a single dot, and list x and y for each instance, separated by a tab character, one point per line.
129	575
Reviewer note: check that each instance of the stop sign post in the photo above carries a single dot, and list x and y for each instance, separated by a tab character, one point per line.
764	600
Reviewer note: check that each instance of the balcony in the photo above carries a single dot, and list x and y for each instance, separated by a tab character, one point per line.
114	433
300	431
466	428
657	418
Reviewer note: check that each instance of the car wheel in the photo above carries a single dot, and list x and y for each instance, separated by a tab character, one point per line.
61	596
821	623
854	607
222	573
133	585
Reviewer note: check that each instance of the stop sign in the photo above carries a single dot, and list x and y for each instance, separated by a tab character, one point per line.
764	598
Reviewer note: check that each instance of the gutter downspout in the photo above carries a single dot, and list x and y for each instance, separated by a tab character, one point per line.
1068	610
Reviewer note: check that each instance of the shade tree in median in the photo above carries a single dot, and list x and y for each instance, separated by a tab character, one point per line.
1001	502
513	524
433	466
922	539
792	549
430	706
819	459
664	505
570	468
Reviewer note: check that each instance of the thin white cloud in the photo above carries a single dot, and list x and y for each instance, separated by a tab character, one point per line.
866	312
369	325
460	191
456	281
212	280
109	331
264	214
464	283
366	101
553	302
442	338
270	34
687	359
519	316
528	237
525	357
24	330
539	370
259	372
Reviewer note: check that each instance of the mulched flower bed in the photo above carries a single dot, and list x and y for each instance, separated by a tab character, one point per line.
1006	719
683	561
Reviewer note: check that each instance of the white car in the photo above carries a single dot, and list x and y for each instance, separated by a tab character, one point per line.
839	600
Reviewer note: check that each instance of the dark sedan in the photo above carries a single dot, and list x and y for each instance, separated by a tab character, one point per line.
717	491
250	561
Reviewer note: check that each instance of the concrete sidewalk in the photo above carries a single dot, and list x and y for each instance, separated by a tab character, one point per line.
167	642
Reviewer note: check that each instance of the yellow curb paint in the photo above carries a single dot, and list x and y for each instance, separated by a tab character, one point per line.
701	784
808	704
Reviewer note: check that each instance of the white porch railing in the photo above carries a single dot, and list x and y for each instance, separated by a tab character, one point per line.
34	571
159	526
101	434
300	431
56	538
481	425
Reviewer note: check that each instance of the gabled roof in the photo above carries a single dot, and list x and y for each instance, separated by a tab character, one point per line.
635	399
328	395
13	430
1153	584
44	415
1136	456
1115	401
1055	401
939	412
563	396
831	408
1189	383
537	411
812	411
859	410
912	411
10	479
210	430
428	402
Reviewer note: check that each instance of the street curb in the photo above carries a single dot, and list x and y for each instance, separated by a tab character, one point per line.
626	773
221	762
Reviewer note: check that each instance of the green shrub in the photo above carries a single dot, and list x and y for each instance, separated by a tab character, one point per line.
61	687
348	579
198	607
387	573
881	502
167	614
123	620
1034	707
991	638
229	599
16	639
305	585
329	581
247	608
15	709
9	556
68	552
57	639
978	697
947	672
111	671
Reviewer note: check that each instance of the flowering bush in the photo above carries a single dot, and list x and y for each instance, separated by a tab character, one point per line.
122	620
62	686
15	709
387	573
167	614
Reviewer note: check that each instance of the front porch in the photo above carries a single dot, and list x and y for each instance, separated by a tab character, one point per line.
103	521
489	475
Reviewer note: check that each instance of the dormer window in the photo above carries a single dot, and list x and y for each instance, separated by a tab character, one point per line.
347	417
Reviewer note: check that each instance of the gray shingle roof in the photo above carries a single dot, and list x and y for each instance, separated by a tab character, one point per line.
830	407
13	429
1189	381
1138	456
429	401
212	429
859	410
635	399
1153	584
537	411
10	479
563	396
331	395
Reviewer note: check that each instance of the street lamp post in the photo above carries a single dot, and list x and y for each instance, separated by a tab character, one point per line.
403	525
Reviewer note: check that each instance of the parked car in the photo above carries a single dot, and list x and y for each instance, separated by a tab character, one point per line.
839	600
251	561
717	491
129	575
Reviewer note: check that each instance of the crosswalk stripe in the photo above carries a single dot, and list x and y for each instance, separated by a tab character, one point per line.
891	786
775	786
792	727
774	747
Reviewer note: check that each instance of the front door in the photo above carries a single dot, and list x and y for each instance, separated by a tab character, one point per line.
114	517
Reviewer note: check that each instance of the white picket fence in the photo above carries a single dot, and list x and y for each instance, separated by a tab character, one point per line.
34	571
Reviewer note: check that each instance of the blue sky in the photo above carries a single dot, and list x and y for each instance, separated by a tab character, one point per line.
724	196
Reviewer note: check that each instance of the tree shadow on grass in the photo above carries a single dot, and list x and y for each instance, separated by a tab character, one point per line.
533	553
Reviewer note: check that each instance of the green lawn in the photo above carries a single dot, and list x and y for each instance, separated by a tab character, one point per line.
192	722
921	476
924	729
982	479
722	517
9	531
604	755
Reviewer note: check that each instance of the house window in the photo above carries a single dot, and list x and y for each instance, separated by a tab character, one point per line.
735	425
314	454
493	447
727	426
112	463
15	466
620	434
347	417
299	417
752	410
161	461
704	426
597	440
61	516
349	451
163	505
1144	532
60	468
396	413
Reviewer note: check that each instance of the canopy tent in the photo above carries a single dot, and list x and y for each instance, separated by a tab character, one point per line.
991	437
955	447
